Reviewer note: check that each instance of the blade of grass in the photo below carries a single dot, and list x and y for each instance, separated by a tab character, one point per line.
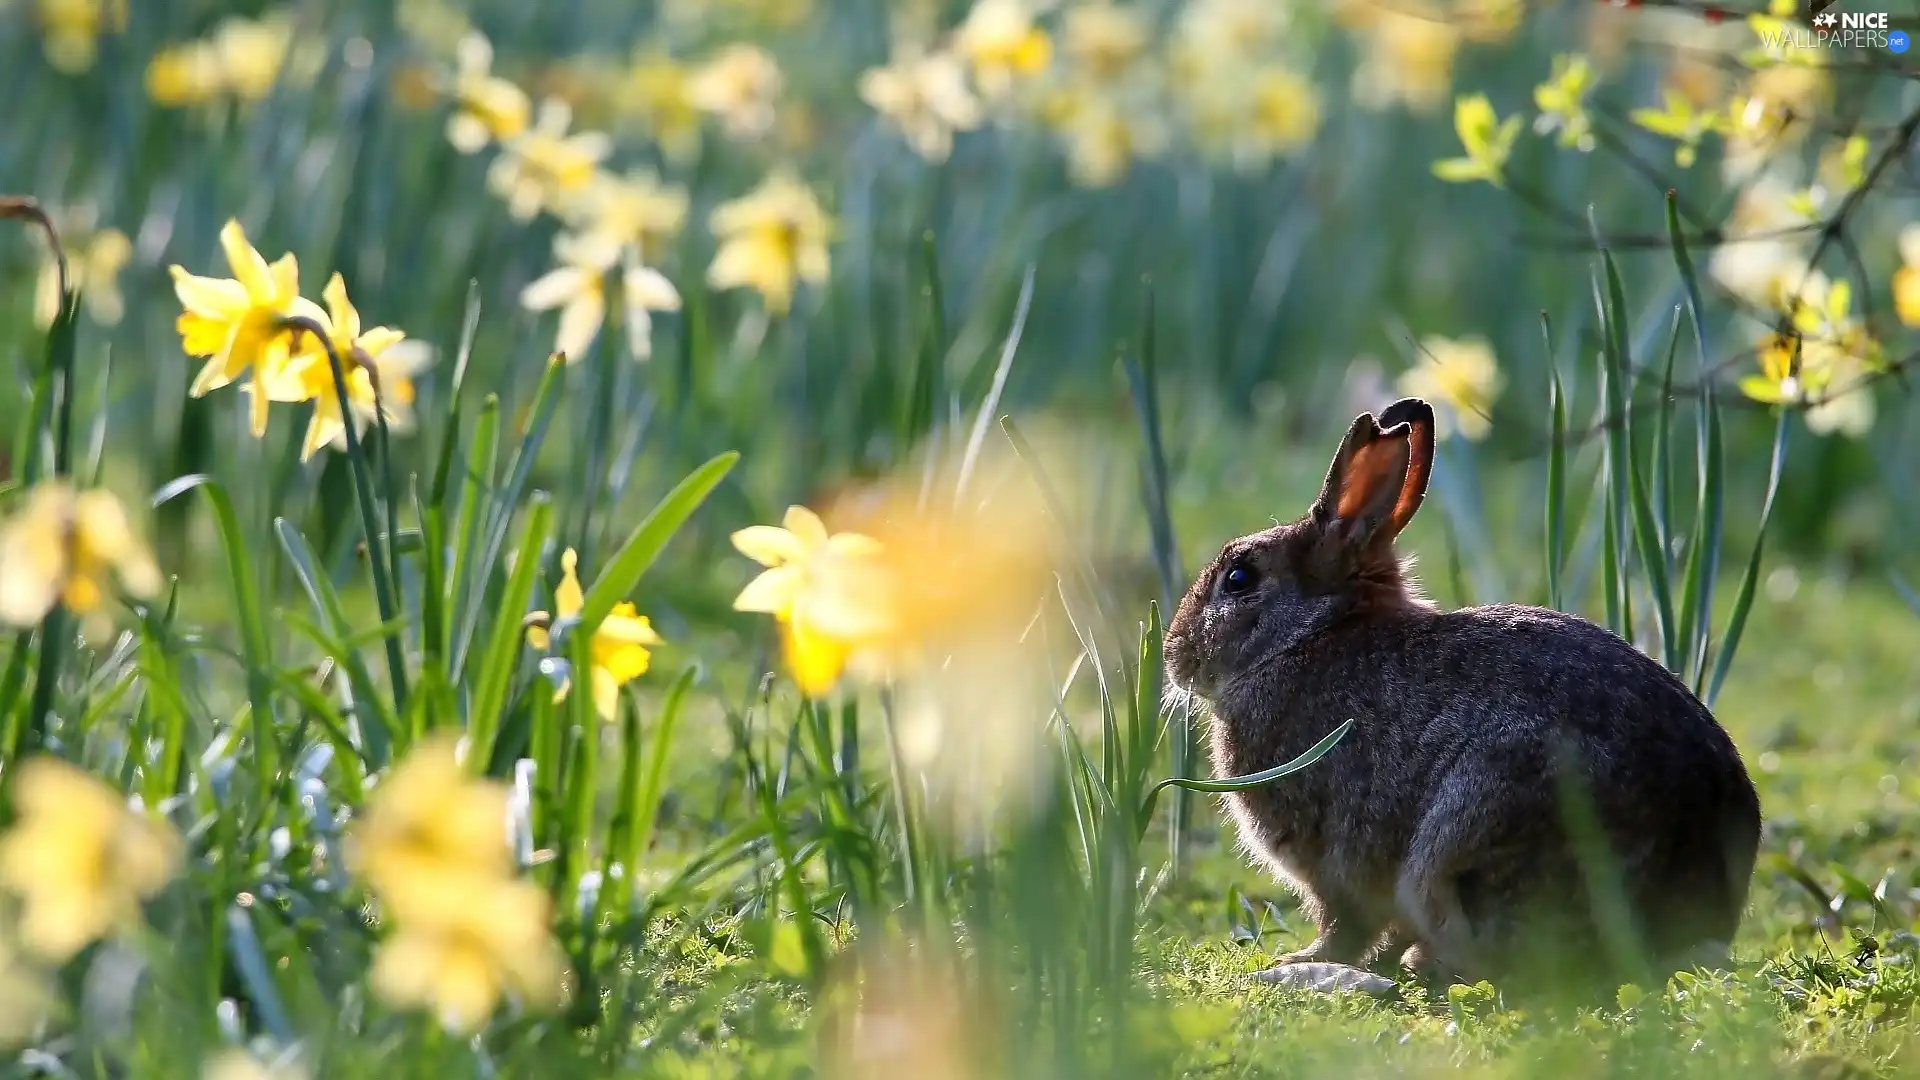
1556	475
1743	596
624	571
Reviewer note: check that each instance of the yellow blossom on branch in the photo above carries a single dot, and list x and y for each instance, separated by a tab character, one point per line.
1487	139
1682	122
1906	280
80	860
1562	101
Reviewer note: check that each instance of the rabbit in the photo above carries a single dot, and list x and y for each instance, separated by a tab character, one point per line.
1524	797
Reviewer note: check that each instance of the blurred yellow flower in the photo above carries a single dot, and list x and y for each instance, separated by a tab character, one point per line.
60	548
634	209
185	74
1488	22
1562	101
578	287
1461	380
379	358
432	848
1906	280
1843	166
770	239
542	167
95	258
1284	115
486	107
739	86
240	1065
79	858
1215	32
926	96
902	1013
826	592
620	642
27	996
1681	121
1104	133
1103	40
71	30
1829	382
744	14
1487	139
1003	44
1408	58
657	97
253	52
238	322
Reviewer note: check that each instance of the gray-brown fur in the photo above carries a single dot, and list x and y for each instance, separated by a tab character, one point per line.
1440	822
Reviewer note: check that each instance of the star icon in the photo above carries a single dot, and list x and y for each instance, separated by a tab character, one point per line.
1825	18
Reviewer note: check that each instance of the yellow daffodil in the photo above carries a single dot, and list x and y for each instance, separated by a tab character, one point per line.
1562	101
634	209
656	97
1227	32
487	108
1682	122
739	86
578	287
71	30
488	940
429	817
1283	115
1104	134
253	53
829	594
1906	280
771	239
95	258
620	642
927	97
379	355
1782	380
1003	44
1461	379
542	167
185	74
432	848
1487	139
80	860
60	548
1408	59
238	322
1104	41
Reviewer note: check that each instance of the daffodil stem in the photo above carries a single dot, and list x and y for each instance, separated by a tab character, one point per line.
369	514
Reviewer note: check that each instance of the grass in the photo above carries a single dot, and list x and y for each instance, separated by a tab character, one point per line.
1029	878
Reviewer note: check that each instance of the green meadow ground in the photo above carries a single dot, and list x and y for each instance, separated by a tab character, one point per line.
1143	295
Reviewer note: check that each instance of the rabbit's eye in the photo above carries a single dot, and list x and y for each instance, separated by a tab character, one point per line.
1237	580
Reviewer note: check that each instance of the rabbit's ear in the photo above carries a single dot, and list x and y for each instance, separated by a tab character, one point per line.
1418	416
1365	483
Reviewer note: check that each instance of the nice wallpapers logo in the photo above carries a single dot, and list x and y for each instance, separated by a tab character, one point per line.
1840	30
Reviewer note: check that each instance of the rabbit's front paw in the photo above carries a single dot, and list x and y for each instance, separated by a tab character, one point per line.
1328	978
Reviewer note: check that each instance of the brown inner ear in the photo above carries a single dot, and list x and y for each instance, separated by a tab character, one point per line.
1419	470
1374	473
